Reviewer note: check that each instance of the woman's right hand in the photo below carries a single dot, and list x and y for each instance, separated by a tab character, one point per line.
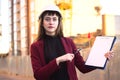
66	57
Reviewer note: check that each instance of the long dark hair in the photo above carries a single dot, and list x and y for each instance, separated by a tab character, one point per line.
41	30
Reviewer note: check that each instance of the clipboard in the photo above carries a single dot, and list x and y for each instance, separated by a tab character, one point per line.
102	44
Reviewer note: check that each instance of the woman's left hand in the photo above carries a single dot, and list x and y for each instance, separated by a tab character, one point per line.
109	55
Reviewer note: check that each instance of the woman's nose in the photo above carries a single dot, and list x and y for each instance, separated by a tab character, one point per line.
51	21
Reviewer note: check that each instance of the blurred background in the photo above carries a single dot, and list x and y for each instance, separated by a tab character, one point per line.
83	20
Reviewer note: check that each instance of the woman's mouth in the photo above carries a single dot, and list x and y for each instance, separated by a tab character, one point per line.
50	27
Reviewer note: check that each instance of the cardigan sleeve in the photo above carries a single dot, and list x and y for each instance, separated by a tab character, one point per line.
79	62
41	71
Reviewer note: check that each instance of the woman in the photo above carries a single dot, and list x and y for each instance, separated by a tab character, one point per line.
53	55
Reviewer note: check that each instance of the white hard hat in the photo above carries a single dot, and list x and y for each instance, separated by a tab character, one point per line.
51	8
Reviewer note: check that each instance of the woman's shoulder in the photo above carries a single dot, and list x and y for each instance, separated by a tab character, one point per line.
37	42
67	38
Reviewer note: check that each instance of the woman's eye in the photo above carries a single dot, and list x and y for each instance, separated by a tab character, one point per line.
51	19
47	19
54	19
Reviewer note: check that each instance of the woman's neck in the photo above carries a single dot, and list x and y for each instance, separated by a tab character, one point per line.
50	34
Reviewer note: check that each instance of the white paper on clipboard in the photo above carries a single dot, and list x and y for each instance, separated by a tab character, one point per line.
102	44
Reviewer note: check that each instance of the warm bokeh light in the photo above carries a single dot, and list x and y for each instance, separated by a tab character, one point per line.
84	17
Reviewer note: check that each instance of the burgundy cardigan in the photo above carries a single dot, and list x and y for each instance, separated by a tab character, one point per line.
43	71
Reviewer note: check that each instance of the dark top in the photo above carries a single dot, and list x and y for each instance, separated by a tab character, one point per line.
53	48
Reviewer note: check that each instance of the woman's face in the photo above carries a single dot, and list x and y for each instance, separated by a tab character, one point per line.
50	24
